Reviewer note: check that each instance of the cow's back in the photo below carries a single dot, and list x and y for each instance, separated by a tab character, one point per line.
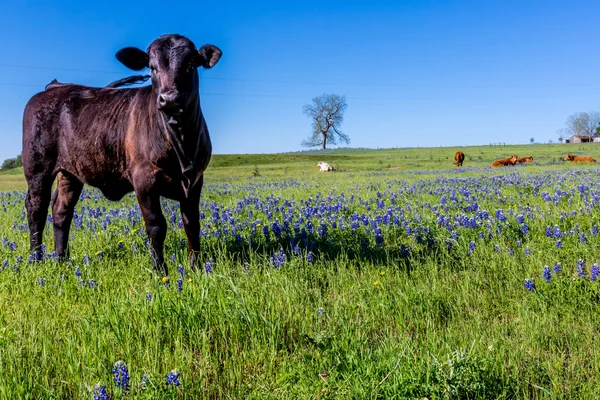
80	130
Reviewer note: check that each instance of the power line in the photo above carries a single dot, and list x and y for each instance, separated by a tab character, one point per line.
463	82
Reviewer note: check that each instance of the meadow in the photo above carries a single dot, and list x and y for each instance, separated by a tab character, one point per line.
396	276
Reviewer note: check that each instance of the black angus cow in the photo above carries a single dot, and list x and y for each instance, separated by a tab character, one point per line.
152	140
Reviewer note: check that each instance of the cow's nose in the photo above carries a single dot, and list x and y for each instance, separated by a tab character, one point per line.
169	100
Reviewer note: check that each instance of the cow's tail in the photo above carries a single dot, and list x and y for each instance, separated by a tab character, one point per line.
130	80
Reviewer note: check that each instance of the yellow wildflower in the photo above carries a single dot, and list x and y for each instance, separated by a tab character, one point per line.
165	279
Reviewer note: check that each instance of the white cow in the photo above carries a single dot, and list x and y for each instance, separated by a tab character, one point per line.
324	166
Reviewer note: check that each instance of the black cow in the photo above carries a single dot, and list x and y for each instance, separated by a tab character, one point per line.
152	140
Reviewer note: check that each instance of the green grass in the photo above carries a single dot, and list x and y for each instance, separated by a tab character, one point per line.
357	323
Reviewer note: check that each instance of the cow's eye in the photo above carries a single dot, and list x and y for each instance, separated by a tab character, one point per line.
191	67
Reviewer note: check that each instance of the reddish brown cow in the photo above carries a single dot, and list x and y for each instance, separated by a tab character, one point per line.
505	162
574	158
525	160
459	157
152	140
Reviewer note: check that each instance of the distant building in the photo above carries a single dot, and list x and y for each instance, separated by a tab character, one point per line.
582	139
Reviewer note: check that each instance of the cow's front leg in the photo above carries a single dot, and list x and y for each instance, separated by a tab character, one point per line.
190	216
156	225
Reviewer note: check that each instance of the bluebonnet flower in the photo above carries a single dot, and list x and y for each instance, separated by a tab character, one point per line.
527	251
595	271
78	272
297	250
208	266
580	268
246	267
148	295
81	283
471	247
93	284
378	236
557	231
582	238
100	392
41	281
12	246
181	270
173	258
86	259
179	285
121	375
559	244
120	245
594	230
529	285
557	268
279	258
546	274
310	257
525	229
549	231
497	249
173	378
320	311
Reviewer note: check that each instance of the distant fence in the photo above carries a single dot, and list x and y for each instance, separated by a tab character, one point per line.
498	144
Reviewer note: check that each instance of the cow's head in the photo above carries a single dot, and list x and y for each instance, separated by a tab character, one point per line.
514	158
173	61
569	157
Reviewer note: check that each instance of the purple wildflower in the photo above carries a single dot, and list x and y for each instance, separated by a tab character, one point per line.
121	375
529	285
173	378
546	274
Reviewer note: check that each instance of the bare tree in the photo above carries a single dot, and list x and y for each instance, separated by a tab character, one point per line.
327	113
563	134
583	123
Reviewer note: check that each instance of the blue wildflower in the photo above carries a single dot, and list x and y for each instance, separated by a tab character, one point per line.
527	251
546	274
78	272
100	393
179	285
41	281
148	295
557	268
121	375
582	238
173	258
86	259
173	378
181	270
279	258
580	268
529	285
310	257
559	244
93	284
208	267
471	247
595	272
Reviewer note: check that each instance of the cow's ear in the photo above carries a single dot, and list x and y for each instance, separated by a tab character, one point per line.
133	58
209	55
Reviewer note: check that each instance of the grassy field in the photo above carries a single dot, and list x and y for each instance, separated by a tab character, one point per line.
396	276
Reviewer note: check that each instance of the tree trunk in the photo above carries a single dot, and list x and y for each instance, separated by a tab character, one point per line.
324	141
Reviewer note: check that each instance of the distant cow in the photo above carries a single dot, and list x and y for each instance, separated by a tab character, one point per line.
152	140
574	158
505	162
324	166
525	160
459	157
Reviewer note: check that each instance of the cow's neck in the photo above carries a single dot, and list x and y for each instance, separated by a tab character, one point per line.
186	137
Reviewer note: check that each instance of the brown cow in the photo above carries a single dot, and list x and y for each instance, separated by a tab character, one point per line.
525	160
459	157
505	162
152	140
574	158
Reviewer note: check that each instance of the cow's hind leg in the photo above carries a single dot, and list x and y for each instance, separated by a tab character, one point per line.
38	198
68	189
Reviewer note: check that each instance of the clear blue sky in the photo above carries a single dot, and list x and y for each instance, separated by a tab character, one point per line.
415	72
